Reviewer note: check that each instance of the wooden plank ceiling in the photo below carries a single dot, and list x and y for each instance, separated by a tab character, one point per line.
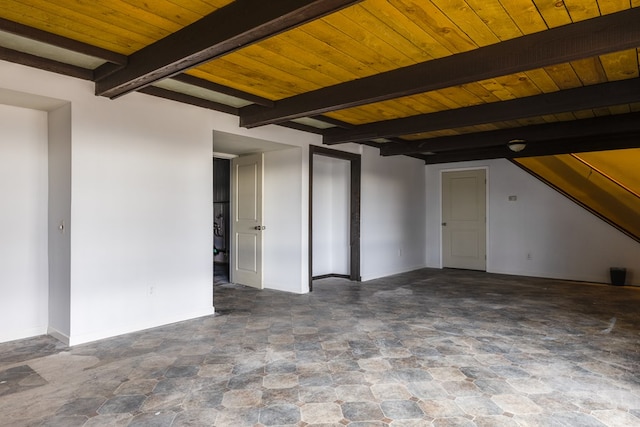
442	80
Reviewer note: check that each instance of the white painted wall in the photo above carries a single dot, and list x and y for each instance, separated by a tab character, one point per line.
59	132
565	241
23	223
283	207
393	214
331	214
141	217
141	207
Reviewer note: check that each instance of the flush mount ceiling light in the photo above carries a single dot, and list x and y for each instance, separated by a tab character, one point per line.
517	145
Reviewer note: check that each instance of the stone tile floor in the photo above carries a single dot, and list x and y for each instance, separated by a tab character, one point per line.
426	348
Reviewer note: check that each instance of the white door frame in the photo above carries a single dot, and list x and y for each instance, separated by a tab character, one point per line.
442	171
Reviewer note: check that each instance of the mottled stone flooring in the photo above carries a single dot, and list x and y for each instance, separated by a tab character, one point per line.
426	348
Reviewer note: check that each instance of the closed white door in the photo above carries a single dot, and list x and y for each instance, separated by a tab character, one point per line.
247	227
464	227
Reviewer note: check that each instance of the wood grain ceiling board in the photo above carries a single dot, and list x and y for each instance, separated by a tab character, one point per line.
122	26
621	65
366	39
551	118
360	41
377	36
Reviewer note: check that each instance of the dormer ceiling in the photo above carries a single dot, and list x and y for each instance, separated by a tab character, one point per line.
440	80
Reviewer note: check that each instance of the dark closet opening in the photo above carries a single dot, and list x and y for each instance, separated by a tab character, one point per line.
221	219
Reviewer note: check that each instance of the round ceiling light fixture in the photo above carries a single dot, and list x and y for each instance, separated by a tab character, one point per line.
517	145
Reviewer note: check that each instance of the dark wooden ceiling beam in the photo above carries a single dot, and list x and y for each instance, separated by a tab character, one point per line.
239	24
45	64
188	99
582	98
584	144
549	131
301	127
334	122
61	42
226	90
605	34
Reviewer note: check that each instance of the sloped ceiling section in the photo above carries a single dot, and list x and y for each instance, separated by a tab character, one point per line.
439	80
606	183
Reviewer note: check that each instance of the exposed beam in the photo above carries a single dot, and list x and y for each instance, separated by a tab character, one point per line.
188	99
616	141
332	121
61	42
605	34
45	64
549	131
582	98
228	29
226	90
301	127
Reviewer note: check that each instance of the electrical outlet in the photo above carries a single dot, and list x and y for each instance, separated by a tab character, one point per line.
529	256
151	290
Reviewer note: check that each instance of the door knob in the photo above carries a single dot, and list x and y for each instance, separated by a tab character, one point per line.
444	224
260	227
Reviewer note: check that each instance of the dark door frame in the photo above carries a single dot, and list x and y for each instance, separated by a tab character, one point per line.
354	208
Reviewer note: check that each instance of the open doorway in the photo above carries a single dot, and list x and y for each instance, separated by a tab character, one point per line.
281	199
221	219
334	214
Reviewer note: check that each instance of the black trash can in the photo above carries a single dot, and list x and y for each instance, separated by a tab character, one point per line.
618	275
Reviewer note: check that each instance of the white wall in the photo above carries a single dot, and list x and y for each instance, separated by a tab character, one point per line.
23	223
331	214
564	240
141	205
141	217
141	210
393	214
59	132
283	218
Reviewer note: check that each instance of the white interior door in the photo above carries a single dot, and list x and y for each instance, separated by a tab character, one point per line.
464	227
247	227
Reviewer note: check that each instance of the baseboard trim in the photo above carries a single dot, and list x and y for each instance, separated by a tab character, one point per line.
58	335
87	338
327	276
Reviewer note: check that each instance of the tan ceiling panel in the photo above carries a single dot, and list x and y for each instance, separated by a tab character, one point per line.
496	18
469	22
620	165
579	10
554	13
117	25
358	42
368	38
525	14
589	71
530	83
621	65
612	6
